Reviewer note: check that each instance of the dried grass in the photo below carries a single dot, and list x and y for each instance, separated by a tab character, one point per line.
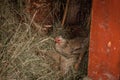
26	54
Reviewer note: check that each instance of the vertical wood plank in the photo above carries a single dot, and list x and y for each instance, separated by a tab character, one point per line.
104	52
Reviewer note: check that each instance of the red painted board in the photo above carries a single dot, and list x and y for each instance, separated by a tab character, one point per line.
104	51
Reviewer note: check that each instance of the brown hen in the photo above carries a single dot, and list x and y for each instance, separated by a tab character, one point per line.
71	51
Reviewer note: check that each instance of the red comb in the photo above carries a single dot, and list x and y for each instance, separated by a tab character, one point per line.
57	40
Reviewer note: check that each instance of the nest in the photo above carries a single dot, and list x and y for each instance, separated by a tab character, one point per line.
27	54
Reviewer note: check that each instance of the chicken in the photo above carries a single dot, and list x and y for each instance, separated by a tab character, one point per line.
62	46
72	51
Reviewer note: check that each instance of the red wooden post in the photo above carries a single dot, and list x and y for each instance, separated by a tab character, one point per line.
104	55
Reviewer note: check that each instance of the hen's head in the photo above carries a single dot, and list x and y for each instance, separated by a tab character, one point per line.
60	40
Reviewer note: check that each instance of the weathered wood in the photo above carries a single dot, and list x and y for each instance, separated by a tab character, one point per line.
104	55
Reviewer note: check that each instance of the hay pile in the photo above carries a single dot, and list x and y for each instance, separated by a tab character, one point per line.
27	54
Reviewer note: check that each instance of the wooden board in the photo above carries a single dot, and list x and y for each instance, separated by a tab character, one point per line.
104	55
